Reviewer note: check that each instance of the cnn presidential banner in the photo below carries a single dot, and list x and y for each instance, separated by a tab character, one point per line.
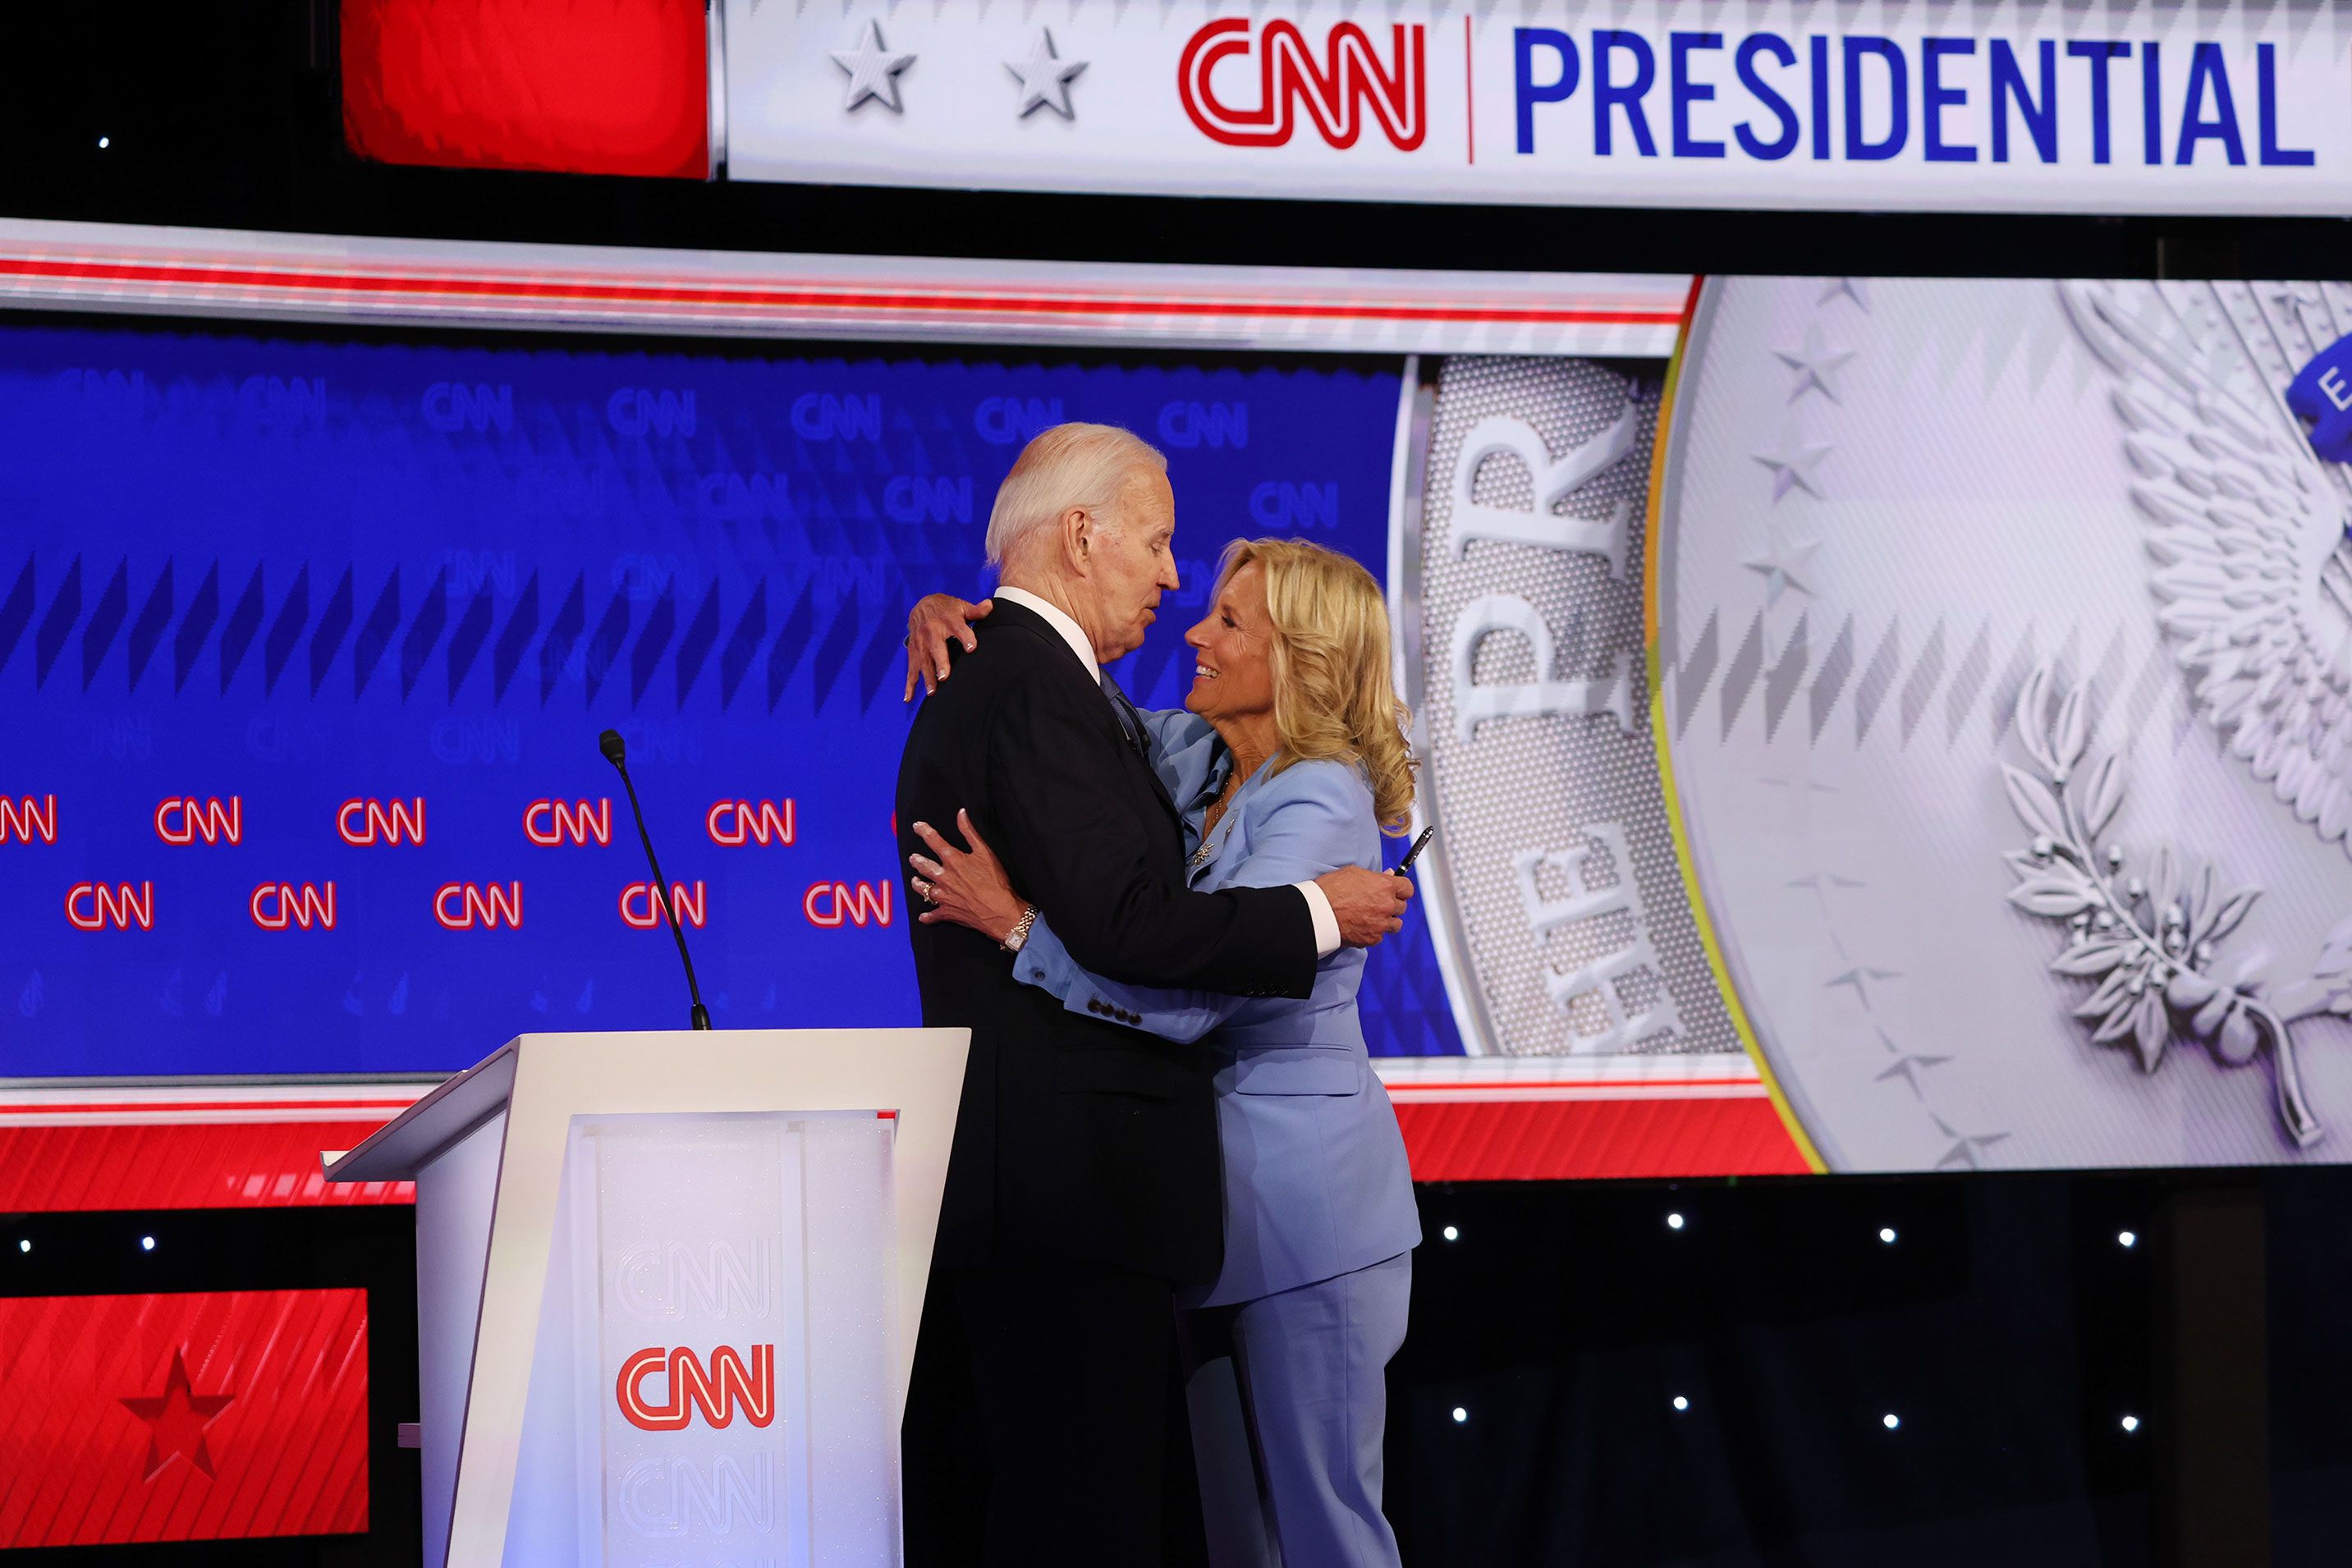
1976	105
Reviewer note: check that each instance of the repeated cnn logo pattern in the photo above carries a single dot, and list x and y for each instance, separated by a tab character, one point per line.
311	642
203	1415
698	1365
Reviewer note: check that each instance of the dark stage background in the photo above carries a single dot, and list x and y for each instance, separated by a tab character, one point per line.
2006	1327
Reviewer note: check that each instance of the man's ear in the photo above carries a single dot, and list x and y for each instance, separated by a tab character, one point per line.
1078	540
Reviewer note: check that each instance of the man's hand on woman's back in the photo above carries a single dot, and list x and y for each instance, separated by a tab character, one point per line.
1369	905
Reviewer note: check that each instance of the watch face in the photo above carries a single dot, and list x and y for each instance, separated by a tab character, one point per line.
1554	892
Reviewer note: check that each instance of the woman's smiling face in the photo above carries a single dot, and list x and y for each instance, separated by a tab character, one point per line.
1233	669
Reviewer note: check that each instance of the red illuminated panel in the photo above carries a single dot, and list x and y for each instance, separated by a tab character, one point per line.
1565	1140
583	87
182	1165
197	1416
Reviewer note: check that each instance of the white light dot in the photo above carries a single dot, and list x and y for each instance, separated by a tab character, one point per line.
1886	1234
1451	1233
1681	1402
1890	1421
146	1244
102	143
1459	1415
25	1247
2131	1422
1674	1222
2125	1239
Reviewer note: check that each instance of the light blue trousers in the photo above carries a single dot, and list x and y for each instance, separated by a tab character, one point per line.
1288	1396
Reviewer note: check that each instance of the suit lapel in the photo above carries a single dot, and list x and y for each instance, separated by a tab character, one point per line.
1029	620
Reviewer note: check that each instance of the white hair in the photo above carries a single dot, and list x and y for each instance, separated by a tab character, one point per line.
1086	466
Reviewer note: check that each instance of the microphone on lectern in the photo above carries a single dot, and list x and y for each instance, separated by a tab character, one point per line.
616	753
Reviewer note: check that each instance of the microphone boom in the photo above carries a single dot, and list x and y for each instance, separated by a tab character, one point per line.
617	752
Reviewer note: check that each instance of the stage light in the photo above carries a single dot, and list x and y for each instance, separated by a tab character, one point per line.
1680	1402
146	1244
1890	1421
1450	1233
1886	1234
2131	1422
2125	1239
102	143
1674	1222
1459	1415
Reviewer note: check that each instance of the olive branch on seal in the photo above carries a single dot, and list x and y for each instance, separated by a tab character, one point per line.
2152	942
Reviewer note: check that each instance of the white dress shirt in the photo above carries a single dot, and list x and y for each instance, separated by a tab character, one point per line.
1319	905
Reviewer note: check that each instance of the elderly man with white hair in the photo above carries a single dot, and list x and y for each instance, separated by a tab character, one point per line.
1083	1185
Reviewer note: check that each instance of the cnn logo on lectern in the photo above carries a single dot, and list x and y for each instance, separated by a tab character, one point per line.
716	1389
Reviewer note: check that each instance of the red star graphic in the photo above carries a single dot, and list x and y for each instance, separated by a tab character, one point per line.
176	1419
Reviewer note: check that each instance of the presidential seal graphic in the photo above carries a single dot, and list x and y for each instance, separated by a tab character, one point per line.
2004	660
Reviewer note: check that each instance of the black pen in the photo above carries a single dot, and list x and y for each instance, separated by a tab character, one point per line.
1402	867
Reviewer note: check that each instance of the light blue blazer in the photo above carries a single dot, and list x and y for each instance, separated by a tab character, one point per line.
1315	1175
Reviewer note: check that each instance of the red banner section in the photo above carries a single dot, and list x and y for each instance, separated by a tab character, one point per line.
617	88
1548	1119
206	1416
72	1148
1550	1140
89	1166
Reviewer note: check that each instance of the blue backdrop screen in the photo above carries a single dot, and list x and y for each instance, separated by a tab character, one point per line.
305	645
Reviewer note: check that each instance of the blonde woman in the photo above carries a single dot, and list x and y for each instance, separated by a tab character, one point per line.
1289	760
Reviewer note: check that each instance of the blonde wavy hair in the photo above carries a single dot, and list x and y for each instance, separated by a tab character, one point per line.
1333	697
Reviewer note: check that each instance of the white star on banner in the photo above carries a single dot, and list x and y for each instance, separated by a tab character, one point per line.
1784	563
1792	462
873	71
1816	364
1045	78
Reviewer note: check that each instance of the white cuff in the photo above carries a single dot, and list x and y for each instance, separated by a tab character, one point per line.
1327	924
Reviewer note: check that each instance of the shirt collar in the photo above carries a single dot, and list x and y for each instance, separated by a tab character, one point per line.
1055	617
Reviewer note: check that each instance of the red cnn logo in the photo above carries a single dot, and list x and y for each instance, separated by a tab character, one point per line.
554	822
735	822
95	906
365	822
640	910
714	1390
276	905
184	821
829	904
478	907
27	819
1288	74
